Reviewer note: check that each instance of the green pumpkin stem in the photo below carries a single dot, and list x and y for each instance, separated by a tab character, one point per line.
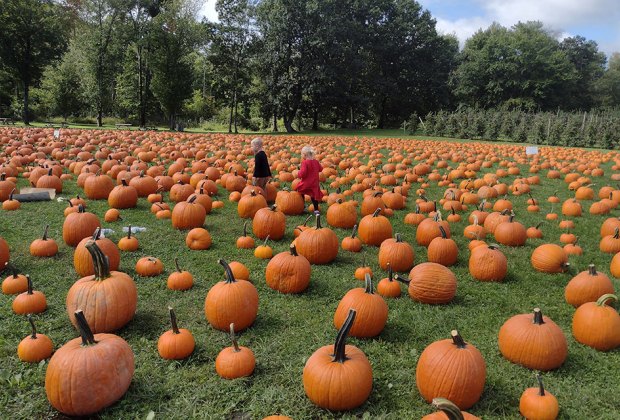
354	232
390	272
450	409
88	338
173	321
376	212
230	277
603	299
96	234
34	329
44	238
457	339
233	338
100	261
129	232
176	263
293	250
541	388
444	235
538	317
339	347
368	284
245	229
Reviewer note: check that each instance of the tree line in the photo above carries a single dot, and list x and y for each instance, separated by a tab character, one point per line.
297	63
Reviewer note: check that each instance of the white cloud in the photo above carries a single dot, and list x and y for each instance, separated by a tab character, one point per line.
208	11
462	28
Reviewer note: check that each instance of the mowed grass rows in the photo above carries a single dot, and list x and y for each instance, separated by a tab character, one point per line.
289	328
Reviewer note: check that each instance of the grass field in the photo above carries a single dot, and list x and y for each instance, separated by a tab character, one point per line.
289	328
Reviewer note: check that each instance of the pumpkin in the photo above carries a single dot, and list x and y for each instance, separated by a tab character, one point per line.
538	403
50	181
534	342
30	301
360	272
475	231
341	215
431	283
108	298
144	184
203	199
99	187
239	270
288	272
149	267
198	239
449	411
374	229
264	251
300	228
83	261
443	250
597	325
10	204
112	215
4	253
549	258
372	311
414	218
587	286
128	243
79	225
14	283
371	203
6	187
488	263
290	203
338	377
180	279
105	364
614	266
429	230
319	245
352	243
249	204
35	347
609	226
245	241
188	215
451	369
398	254
269	221
235	361
387	287
231	301
177	343
510	233
44	247
610	244
534	232
571	207
123	196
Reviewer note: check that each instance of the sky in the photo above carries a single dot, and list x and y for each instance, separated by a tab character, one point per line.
597	20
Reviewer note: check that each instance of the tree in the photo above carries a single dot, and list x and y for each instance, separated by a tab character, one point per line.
32	35
608	86
589	64
173	39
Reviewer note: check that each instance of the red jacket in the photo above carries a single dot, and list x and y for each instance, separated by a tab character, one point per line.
309	175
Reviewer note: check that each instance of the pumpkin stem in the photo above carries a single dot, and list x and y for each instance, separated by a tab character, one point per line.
266	239
339	347
354	231
11	194
307	219
233	338
45	232
603	299
97	234
444	235
192	198
538	317
29	284
129	230
402	279
80	208
398	237
230	278
88	338
100	261
592	270
245	228
368	284
450	409
124	182
417	209
176	263
539	224
617	233
318	221
34	329
541	388
390	272
173	320
376	212
293	250
457	339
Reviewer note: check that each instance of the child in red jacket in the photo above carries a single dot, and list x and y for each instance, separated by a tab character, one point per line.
309	175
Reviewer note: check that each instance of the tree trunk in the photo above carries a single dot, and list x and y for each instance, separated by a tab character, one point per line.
99	117
26	116
141	90
288	124
381	122
236	112
315	120
275	123
230	118
172	121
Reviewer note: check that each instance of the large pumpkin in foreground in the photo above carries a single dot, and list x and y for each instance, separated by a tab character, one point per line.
89	373
338	377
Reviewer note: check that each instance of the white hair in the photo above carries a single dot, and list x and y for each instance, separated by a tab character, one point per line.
307	151
257	142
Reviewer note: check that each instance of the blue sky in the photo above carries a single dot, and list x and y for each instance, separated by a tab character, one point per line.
598	20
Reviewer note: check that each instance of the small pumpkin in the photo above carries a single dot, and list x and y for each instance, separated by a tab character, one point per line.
549	258
319	245
352	243
448	411
443	250
235	361
374	229
610	244
538	403
388	287
79	225
177	343
245	241
35	347
264	251
597	325
431	283
149	267
288	272
488	263
360	272
397	253
44	247
29	302
587	286
83	260
14	283
198	239
180	279
128	243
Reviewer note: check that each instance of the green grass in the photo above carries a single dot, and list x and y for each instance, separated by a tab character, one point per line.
290	328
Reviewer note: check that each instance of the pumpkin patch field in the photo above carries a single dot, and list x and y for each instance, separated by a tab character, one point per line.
160	283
